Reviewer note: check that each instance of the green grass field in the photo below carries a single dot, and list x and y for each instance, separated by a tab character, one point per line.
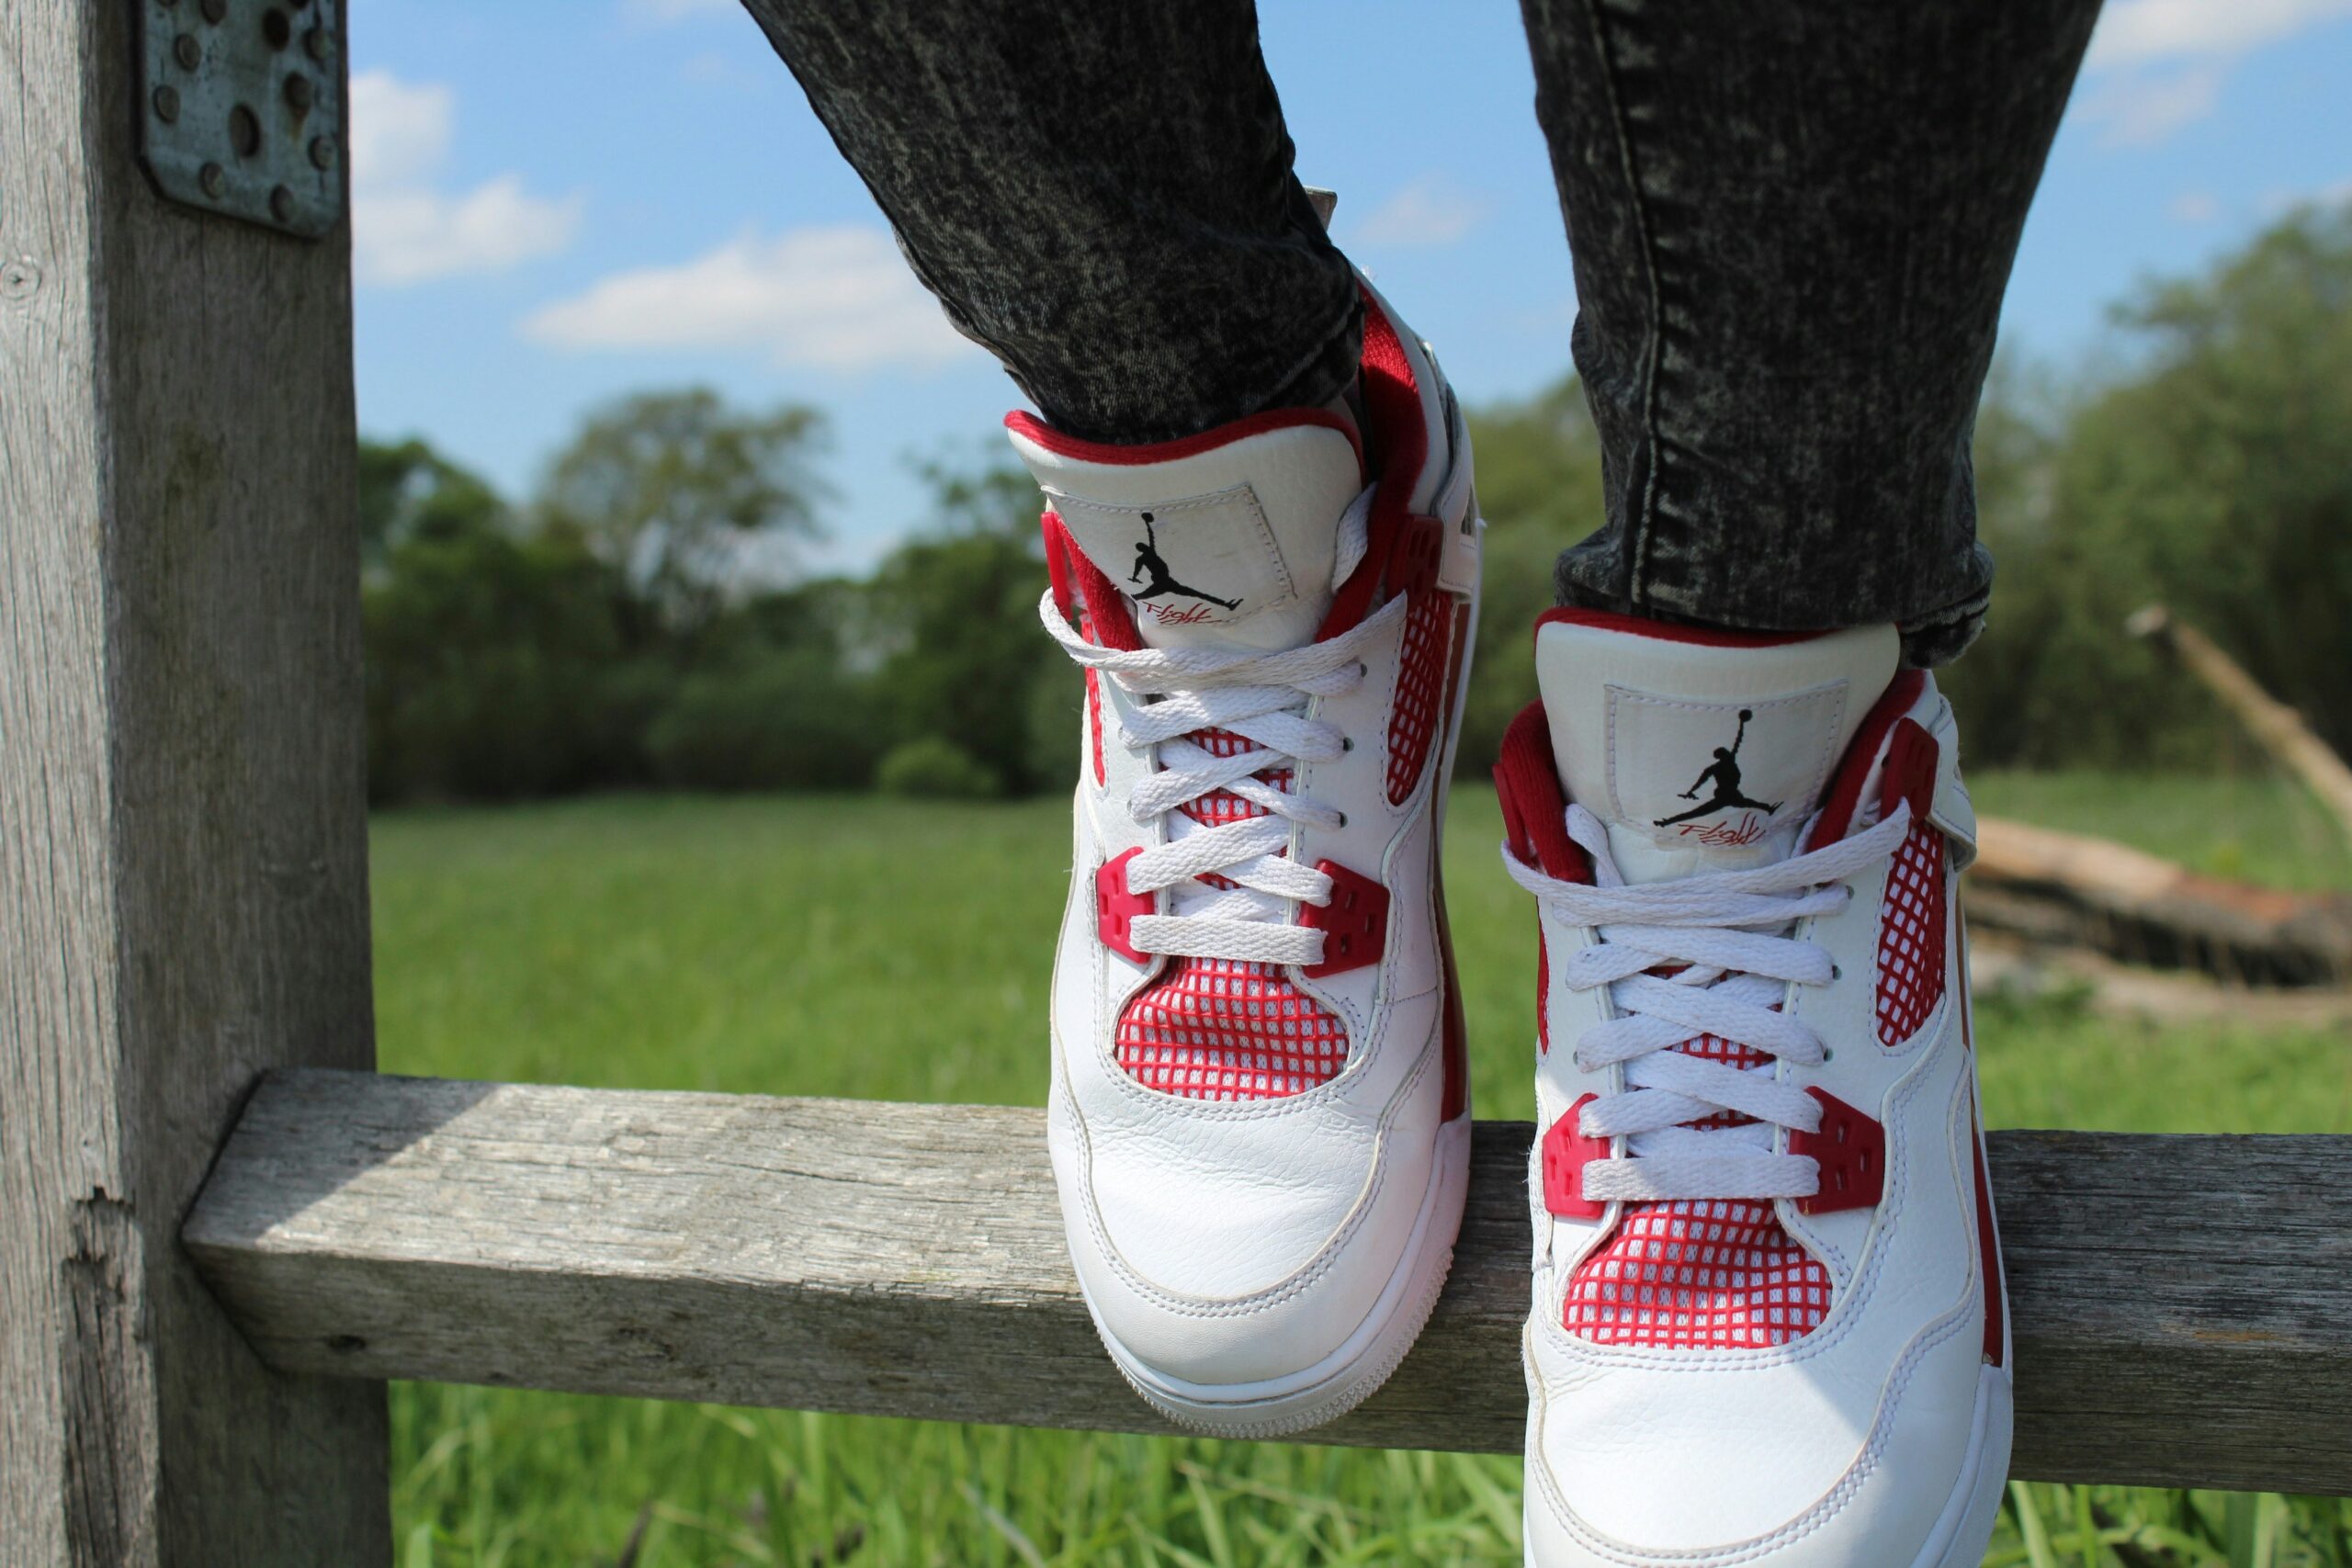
872	947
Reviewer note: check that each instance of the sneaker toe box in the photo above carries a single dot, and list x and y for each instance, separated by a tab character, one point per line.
1804	1461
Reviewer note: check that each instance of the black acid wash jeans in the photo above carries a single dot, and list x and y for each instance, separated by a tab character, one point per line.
1792	224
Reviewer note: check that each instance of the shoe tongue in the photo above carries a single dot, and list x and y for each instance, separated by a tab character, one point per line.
1228	539
1701	752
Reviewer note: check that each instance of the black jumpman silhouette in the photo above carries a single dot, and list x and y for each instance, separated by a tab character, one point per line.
1147	560
1724	773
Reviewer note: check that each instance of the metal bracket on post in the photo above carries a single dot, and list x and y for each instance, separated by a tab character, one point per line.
241	109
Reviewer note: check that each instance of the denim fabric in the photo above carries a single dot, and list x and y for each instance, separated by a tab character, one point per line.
1100	194
1791	225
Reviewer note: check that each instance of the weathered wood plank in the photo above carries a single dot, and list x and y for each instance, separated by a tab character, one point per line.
183	887
2180	1307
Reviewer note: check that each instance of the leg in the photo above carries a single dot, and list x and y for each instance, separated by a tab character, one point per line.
1101	196
1792	226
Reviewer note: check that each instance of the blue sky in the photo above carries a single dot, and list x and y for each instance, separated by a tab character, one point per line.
559	200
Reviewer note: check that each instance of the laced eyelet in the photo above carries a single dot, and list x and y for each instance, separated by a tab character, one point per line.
1837	972
1343	818
1346	744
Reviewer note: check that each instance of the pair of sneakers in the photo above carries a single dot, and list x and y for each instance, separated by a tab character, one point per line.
1766	1322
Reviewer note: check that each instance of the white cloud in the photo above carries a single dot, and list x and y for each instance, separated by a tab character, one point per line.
2137	31
2194	207
399	130
404	229
837	297
2140	109
661	12
1432	211
2280	202
2169	57
412	235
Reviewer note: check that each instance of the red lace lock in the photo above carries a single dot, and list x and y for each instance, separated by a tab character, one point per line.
1851	1148
1413	559
1354	923
1566	1151
1115	909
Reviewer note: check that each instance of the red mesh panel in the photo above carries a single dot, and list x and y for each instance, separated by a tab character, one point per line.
1690	1275
1911	936
1714	1048
1420	690
1220	1029
1219	806
1716	1274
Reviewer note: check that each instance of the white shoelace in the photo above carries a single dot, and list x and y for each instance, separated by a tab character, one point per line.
1729	931
1262	697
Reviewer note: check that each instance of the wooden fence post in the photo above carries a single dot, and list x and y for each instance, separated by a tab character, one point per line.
182	873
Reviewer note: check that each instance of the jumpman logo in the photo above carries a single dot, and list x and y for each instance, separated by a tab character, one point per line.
1724	773
1148	560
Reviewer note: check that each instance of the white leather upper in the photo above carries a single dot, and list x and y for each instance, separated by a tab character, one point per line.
1845	1446
1237	1241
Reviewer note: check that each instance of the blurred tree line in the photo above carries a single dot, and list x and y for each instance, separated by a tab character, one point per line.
643	620
640	623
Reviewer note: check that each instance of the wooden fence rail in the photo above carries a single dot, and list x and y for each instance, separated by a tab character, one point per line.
2183	1306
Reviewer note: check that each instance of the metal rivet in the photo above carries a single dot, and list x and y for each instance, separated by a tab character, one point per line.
168	103
281	203
187	51
321	43
322	153
212	179
214	10
299	93
245	131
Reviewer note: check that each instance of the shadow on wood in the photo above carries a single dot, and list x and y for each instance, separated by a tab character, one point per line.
2179	1307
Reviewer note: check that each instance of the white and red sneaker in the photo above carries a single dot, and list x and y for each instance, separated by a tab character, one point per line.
1260	1115
1768	1325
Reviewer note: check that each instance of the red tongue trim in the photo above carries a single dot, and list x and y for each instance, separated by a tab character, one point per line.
1534	811
1392	402
1103	614
1845	794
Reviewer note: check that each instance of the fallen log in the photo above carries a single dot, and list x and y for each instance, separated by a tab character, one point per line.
2280	729
2073	890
